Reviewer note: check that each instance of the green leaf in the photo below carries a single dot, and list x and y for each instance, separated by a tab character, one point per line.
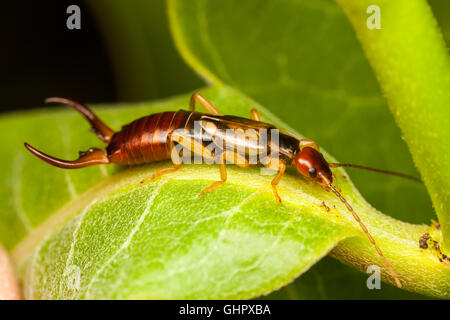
95	233
412	64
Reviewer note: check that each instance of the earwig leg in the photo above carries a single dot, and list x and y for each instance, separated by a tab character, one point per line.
223	177
176	165
208	106
230	157
87	158
276	180
276	164
160	173
336	182
339	175
436	225
236	158
308	143
102	131
254	114
192	145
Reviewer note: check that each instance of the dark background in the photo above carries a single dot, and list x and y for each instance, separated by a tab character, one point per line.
40	57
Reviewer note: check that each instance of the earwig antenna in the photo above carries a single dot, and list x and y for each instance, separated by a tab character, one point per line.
91	157
102	131
393	173
364	228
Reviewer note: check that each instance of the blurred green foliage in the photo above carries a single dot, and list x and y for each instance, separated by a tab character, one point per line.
141	49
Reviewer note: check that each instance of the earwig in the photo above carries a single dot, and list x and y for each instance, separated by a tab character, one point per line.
157	136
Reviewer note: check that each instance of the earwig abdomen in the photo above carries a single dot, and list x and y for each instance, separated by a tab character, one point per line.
147	139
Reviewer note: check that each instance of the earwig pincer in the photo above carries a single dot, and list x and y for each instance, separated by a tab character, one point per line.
171	135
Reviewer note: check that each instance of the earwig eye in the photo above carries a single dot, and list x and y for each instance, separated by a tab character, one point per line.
312	172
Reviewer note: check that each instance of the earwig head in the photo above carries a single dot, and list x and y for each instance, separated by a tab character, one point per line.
312	165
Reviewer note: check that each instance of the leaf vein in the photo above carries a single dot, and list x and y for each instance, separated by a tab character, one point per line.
127	241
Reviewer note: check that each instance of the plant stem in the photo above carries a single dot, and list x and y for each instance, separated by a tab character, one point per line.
411	62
